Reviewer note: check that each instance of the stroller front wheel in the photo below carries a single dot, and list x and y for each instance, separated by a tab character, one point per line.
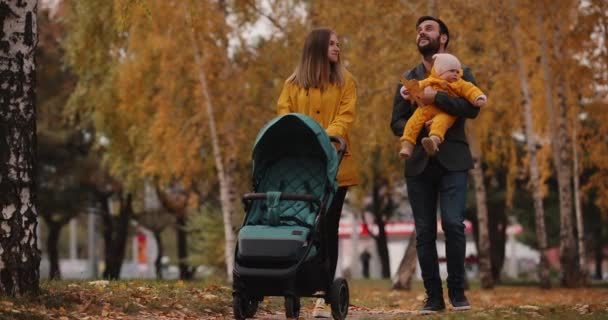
339	298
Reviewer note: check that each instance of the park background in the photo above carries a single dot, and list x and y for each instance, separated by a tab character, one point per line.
147	112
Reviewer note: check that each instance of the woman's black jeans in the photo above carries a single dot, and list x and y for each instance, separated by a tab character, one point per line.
331	229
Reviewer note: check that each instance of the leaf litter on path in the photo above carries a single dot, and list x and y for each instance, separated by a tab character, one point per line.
370	299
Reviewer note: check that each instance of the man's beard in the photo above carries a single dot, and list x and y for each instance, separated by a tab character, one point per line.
430	48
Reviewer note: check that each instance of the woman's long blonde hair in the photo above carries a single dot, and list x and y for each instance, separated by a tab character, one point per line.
315	70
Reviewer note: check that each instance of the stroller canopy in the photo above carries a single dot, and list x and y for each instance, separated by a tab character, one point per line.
294	134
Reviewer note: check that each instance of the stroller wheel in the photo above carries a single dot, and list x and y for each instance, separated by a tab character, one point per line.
292	307
243	307
339	298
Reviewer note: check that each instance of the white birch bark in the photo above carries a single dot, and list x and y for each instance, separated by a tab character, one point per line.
526	110
19	253
485	259
227	188
571	275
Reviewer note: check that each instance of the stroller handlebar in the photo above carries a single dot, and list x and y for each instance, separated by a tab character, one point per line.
342	148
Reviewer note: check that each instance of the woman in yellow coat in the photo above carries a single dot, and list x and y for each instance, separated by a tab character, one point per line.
323	89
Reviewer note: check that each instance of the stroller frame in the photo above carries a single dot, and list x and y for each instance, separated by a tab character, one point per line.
305	277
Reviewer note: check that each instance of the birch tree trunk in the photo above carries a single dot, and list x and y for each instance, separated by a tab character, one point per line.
19	254
580	225
227	188
526	110
485	260
571	276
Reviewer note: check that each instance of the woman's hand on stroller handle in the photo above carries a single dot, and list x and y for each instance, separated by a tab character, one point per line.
342	145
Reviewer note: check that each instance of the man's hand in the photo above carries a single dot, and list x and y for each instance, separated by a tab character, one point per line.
428	95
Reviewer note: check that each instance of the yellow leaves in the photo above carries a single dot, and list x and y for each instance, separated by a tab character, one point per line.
151	105
100	283
415	91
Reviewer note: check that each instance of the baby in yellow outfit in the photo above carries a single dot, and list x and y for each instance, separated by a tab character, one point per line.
445	76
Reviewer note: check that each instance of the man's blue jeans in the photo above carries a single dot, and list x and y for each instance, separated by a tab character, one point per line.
435	182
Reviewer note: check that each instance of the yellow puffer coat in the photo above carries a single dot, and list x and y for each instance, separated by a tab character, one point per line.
333	108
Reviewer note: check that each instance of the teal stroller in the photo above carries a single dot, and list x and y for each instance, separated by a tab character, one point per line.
280	248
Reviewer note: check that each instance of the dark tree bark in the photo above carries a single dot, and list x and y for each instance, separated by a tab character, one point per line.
176	204
115	236
53	251
598	244
185	271
158	262
498	239
52	245
382	247
19	254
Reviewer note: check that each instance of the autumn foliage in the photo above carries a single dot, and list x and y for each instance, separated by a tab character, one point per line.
140	64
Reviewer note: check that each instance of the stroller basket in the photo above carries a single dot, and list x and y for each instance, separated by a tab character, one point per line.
280	245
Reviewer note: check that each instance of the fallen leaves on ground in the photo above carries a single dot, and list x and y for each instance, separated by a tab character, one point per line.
92	300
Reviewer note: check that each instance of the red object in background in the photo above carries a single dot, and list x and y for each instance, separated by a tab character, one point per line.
364	229
141	249
393	228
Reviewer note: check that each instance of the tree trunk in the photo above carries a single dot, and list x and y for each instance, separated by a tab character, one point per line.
120	244
571	276
158	262
378	207
526	112
227	188
185	271
52	247
382	247
598	249
19	254
107	228
498	239
497	223
580	223
561	154
115	237
407	267
485	262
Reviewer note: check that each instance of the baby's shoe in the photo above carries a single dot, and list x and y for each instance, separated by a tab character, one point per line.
406	150
431	145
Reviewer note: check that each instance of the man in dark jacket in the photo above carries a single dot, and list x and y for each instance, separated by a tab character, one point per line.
443	176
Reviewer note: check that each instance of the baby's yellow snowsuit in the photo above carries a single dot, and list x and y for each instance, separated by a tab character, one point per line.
441	120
